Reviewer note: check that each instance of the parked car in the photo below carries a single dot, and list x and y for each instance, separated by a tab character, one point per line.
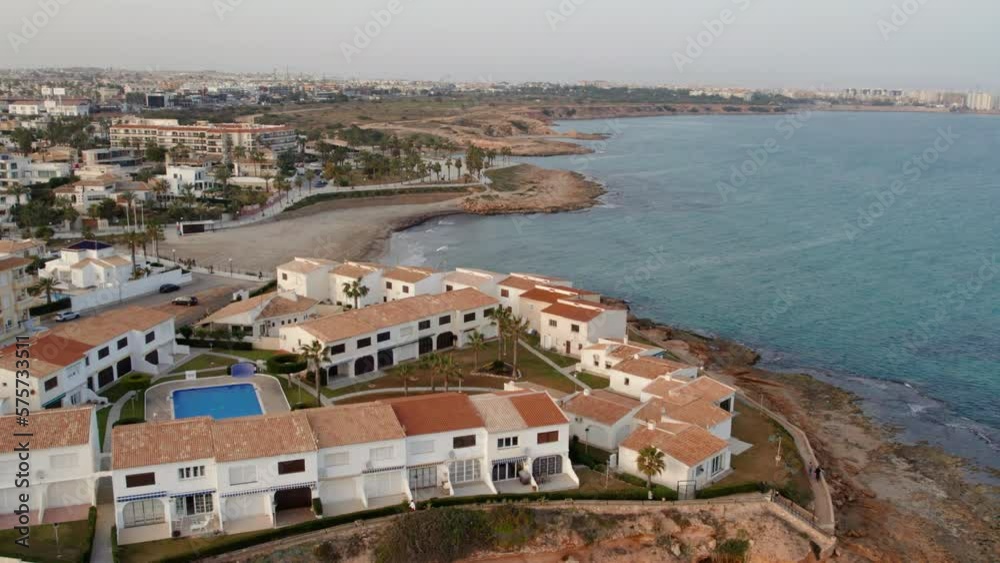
189	301
64	316
169	288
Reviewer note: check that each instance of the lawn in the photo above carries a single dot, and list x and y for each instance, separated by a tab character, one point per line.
102	422
205	361
757	464
190	546
595	381
559	359
253	355
593	482
73	540
295	395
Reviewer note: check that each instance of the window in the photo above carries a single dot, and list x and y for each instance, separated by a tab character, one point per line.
194	472
607	365
574	328
63	461
548	437
122	342
242	475
294	466
150	336
424	325
449	288
103	353
508	442
364	342
380	454
553	323
51	383
388	285
597	361
488	312
551	465
444	320
284	276
464	471
143	513
193	504
504	293
699	470
463	441
140	480
383	336
717	464
469	317
340	458
626	381
425	447
337	349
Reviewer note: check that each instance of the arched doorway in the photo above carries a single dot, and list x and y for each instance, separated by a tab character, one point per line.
385	359
445	340
425	345
364	365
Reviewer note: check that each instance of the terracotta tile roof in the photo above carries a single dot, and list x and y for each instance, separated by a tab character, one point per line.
384	315
498	413
13	262
547	294
710	389
8	246
51	428
354	424
538	409
554	393
355	270
99	329
408	274
274	305
687	444
600	407
517	282
606	395
238	308
471	278
649	367
565	310
699	413
266	435
663	385
155	443
441	412
48	354
306	265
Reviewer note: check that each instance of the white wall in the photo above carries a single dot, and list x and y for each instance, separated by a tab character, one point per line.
130	289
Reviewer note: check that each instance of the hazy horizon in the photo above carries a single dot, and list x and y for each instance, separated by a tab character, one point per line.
852	43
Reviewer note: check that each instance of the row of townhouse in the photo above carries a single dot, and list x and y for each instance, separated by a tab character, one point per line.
196	476
360	341
262	316
566	319
55	480
63	107
71	363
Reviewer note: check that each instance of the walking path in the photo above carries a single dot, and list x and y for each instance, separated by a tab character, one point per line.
113	416
566	371
101	552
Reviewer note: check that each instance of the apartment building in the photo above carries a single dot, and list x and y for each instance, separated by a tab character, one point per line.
65	461
632	376
540	297
307	277
402	282
511	288
197	178
72	362
22	248
88	263
569	325
367	275
62	107
86	192
262	316
128	159
203	137
360	341
601	418
23	171
198	476
15	301
469	278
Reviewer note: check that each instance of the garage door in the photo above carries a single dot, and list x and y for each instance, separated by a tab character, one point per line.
381	485
293	498
70	493
338	490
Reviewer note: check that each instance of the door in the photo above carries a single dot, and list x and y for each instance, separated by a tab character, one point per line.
567	347
426	345
385	359
293	498
551	465
504	471
423	477
381	485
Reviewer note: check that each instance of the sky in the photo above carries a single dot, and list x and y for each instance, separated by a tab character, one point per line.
934	44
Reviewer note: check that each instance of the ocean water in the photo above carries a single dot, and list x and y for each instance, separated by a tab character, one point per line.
860	247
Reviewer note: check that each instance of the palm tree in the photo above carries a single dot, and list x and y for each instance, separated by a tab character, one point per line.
160	189
518	326
44	285
650	462
154	232
313	354
129	199
446	366
355	290
430	362
403	372
477	341
310	176
458	168
501	319
447	167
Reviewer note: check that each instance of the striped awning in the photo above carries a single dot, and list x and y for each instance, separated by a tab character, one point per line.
263	490
510	460
130	498
383	469
191	494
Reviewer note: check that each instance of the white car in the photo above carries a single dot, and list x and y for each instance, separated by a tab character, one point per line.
66	316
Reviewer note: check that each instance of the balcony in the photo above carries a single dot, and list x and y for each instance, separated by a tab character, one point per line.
197	525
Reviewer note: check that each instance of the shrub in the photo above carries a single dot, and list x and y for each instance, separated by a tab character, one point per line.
205	343
285	363
326	551
430	536
268	287
186	331
56	305
317	507
732	550
91	530
127	420
714	492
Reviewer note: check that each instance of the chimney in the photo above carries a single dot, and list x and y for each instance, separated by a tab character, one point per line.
586	392
650	425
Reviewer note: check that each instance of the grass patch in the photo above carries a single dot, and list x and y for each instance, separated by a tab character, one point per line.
102	423
74	542
594	381
250	354
557	358
205	361
294	395
505	179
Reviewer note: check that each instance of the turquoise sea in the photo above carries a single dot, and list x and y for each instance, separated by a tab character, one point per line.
860	247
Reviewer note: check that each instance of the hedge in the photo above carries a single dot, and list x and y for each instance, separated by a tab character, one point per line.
659	491
202	343
127	420
91	530
318	507
115	551
715	492
285	363
268	287
57	305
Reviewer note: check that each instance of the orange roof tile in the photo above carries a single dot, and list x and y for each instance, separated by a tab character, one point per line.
51	428
441	412
538	409
47	354
649	367
268	435
605	408
155	443
101	328
354	424
687	444
13	262
408	274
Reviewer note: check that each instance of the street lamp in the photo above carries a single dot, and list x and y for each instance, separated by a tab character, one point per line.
230	267
173	252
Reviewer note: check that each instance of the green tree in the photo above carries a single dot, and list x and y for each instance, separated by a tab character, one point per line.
403	373
650	462
46	286
24	139
477	342
313	354
355	290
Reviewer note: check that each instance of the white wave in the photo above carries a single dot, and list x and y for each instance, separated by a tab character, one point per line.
441	249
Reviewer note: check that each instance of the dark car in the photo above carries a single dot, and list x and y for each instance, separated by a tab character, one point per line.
169	288
190	301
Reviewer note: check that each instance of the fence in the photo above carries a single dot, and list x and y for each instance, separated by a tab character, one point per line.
132	288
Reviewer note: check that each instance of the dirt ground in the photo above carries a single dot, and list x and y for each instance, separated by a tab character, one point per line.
530	189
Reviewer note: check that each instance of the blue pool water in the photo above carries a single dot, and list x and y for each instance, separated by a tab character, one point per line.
224	401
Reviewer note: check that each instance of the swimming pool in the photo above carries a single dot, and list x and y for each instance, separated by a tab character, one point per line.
222	401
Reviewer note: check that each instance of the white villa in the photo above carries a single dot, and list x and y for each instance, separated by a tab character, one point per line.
65	460
198	476
601	418
72	362
262	316
569	325
360	341
409	281
88	263
469	278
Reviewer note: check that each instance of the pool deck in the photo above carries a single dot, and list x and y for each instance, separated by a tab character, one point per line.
159	405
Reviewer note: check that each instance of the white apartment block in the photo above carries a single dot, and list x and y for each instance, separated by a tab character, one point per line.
84	193
511	288
180	176
64	460
469	278
203	137
262	316
379	336
198	476
87	264
539	298
74	361
366	274
15	301
307	277
569	325
22	171
127	159
64	107
402	282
